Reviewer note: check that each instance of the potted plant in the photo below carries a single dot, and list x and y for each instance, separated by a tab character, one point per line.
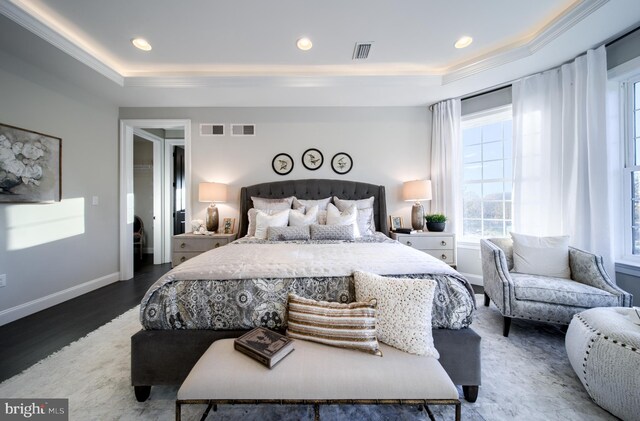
435	222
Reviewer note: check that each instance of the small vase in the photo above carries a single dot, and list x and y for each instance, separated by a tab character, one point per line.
436	226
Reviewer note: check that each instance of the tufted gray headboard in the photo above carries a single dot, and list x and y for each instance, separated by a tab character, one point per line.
315	189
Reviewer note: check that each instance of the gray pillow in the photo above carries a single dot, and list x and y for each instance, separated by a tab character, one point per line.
332	232
288	233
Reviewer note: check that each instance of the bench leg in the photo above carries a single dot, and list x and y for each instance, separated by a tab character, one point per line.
316	412
206	412
458	411
178	411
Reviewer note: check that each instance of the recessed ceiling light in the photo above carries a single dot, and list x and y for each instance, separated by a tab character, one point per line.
463	42
141	43
304	44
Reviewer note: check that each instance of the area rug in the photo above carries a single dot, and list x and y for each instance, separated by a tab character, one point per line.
526	376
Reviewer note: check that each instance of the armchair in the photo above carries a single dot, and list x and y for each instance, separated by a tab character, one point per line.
542	298
138	234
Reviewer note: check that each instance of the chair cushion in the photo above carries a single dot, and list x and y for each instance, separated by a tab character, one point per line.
560	291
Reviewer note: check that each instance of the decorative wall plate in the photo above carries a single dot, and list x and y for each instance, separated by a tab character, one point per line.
341	163
312	159
282	164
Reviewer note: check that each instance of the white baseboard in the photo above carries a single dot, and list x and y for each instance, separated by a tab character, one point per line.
473	279
14	313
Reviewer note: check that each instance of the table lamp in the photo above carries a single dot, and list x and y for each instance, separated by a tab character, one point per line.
415	191
212	192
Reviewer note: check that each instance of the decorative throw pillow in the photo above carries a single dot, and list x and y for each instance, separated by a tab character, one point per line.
343	325
307	203
332	232
298	218
366	224
404	310
264	221
322	217
269	206
263	203
545	256
288	233
348	217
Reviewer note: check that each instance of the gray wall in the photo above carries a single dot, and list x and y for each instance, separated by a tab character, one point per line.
48	248
388	146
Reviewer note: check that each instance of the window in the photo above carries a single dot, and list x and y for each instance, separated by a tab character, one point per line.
632	169
486	174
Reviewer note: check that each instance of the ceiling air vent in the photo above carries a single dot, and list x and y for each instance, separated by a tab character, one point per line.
211	129
362	50
243	130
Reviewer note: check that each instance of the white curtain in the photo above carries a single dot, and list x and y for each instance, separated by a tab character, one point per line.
560	154
445	169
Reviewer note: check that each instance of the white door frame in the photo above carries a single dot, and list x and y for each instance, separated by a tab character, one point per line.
127	128
168	191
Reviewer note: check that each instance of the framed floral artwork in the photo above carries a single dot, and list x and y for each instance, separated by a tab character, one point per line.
30	166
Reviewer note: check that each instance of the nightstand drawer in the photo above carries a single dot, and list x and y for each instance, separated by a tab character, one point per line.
198	244
177	258
419	242
444	255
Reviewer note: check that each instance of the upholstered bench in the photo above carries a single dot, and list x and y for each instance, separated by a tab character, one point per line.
603	346
317	374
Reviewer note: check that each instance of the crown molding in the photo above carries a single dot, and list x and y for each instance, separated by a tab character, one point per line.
519	50
22	17
282	81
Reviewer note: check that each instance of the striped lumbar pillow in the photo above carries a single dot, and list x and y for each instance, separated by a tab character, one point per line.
343	325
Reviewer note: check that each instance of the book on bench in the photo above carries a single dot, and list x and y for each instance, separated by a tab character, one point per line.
264	345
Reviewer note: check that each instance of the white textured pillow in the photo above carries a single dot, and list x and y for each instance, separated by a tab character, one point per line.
348	217
264	221
322	217
545	256
404	310
307	203
269	206
366	225
262	203
298	218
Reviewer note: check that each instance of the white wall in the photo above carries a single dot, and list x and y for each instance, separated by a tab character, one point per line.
50	252
389	145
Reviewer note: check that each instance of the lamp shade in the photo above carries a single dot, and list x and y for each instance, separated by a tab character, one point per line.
416	190
212	192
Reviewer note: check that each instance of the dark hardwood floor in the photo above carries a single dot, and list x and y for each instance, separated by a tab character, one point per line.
32	338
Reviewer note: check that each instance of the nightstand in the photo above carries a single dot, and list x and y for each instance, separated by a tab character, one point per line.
441	245
186	246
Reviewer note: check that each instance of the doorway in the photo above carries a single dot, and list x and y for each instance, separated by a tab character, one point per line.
164	193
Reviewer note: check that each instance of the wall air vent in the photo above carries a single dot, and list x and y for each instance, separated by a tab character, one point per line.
211	129
362	50
243	130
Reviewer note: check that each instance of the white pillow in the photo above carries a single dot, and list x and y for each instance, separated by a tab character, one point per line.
269	206
366	225
263	203
348	217
322	217
404	311
545	256
307	203
264	221
298	218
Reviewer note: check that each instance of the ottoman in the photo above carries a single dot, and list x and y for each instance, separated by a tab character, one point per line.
603	346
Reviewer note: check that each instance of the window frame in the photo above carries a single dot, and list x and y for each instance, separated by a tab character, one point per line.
478	119
628	116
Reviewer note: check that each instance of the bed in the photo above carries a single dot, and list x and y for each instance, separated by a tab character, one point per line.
222	293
